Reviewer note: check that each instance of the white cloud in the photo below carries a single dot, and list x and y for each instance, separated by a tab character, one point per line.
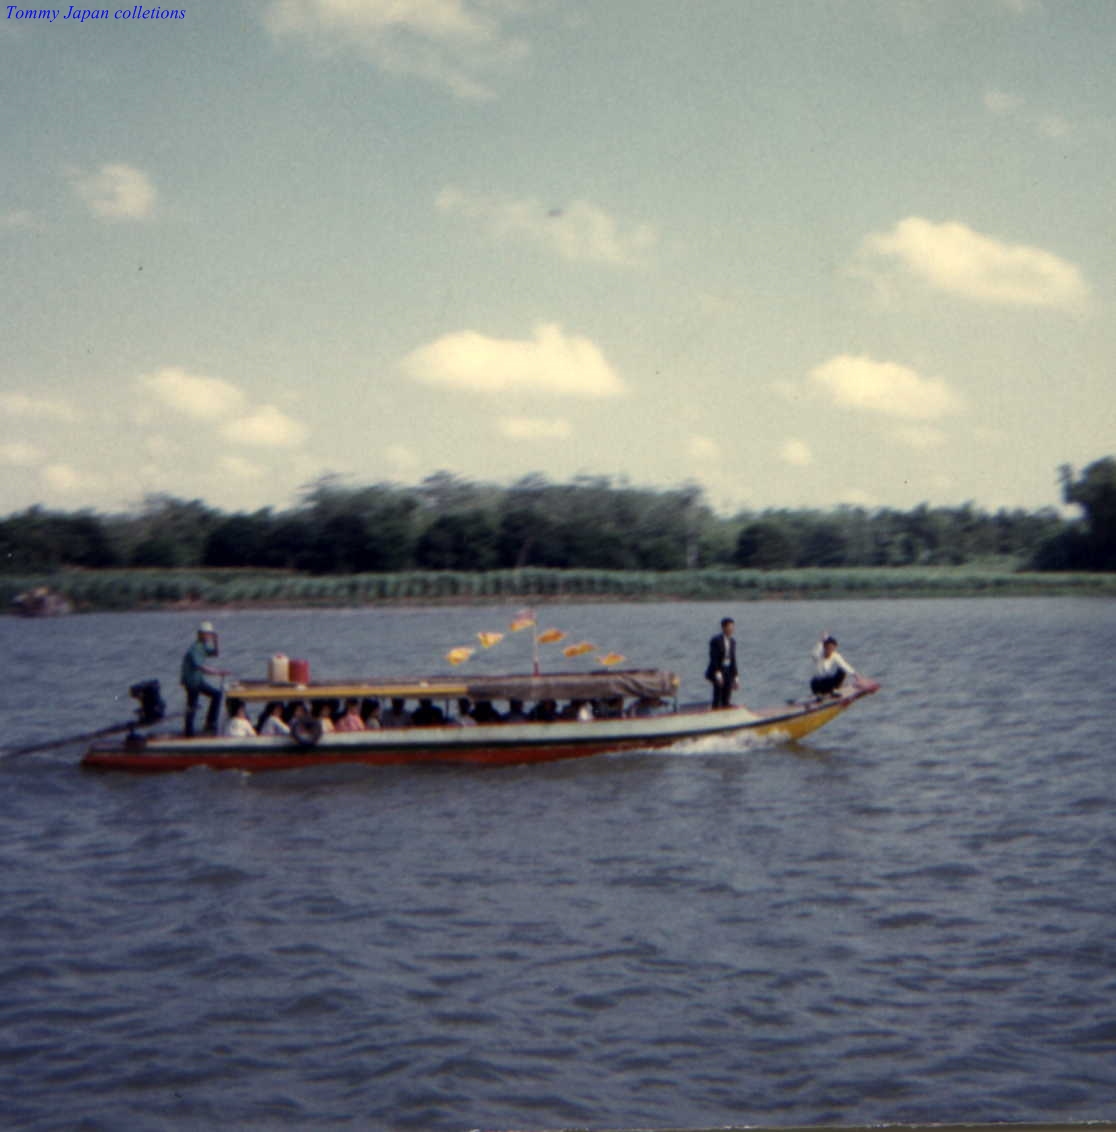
64	479
116	192
533	428
703	450
452	43
203	398
221	403
267	427
551	362
884	388
403	461
37	408
239	468
19	454
579	231
797	453
951	257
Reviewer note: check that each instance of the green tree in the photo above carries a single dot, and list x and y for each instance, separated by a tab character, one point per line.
459	541
241	540
767	544
354	530
171	532
525	529
825	543
43	540
1094	491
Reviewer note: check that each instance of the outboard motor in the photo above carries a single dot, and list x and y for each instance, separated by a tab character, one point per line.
152	708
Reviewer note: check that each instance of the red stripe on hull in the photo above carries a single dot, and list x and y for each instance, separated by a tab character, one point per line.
293	759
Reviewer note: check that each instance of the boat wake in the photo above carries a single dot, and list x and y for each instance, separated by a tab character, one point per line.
734	743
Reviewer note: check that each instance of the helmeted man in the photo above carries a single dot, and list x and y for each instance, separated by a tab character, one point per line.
194	678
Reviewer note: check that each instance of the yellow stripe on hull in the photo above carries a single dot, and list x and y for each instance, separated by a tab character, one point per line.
346	690
797	726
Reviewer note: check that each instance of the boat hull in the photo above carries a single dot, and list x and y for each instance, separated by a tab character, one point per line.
500	744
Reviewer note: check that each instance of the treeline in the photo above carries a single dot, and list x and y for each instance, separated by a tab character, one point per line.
447	523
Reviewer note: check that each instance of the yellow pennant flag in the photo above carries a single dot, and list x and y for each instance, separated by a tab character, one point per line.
487	640
549	636
611	658
459	655
523	620
579	649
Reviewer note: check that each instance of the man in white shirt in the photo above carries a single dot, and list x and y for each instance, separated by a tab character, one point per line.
830	668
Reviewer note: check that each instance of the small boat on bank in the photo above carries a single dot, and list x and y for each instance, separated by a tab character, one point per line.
41	602
630	710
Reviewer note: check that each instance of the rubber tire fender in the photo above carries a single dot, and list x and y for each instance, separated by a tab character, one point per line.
306	732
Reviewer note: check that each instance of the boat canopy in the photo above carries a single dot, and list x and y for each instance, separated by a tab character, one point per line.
650	683
634	683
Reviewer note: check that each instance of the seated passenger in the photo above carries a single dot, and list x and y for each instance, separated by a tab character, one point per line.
238	725
643	707
428	714
323	713
351	720
464	713
271	721
515	712
484	712
545	711
577	710
296	712
397	715
370	715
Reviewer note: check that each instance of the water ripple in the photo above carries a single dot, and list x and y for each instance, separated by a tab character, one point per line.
909	919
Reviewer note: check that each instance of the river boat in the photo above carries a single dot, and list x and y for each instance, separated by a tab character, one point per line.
634	710
40	602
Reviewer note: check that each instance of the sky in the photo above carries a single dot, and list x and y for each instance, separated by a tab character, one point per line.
802	253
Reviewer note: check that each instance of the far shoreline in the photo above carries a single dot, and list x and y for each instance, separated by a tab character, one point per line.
81	591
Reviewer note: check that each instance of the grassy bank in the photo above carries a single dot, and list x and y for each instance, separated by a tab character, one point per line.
155	589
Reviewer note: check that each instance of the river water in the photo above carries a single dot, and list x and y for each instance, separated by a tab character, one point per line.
909	917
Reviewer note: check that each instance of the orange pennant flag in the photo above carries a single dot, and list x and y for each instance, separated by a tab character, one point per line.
549	636
487	640
579	649
522	620
459	655
612	658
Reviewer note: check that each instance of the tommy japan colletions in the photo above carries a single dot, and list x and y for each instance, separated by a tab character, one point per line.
138	12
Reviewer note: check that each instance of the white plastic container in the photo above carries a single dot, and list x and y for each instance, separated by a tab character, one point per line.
279	669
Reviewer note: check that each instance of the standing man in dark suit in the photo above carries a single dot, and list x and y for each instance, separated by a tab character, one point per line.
722	672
